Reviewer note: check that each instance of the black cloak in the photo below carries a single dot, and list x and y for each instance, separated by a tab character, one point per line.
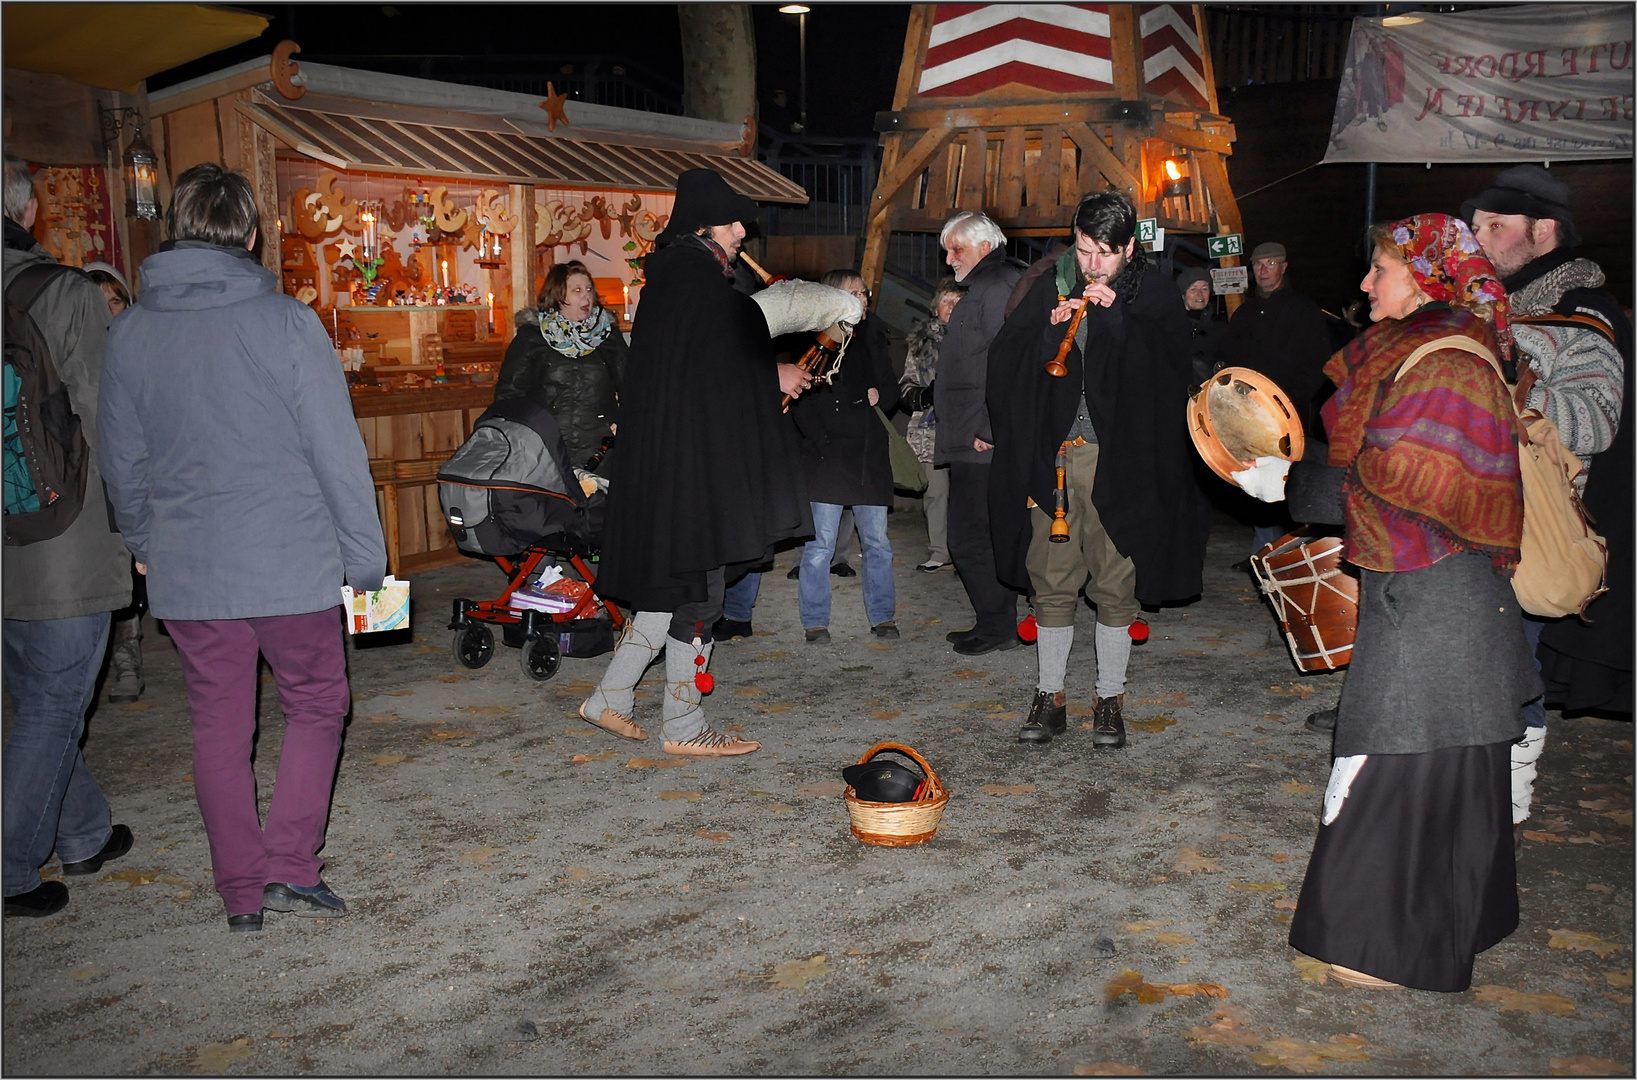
706	473
1136	381
844	448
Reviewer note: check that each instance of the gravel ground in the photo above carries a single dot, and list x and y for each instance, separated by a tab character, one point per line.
528	895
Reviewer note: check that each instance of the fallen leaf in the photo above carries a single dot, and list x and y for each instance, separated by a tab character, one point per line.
1158	723
133	878
1596	804
451	678
488	710
1579	941
399	693
886	714
968	673
603	755
1190	861
579	731
704	834
1593	838
1228	1028
1173	937
1297	690
1301	1055
455	733
779	808
219	1057
1108	1068
685	796
1295	787
575	873
87	972
1620	817
1599	887
1618	978
482	854
1620	999
1007	789
1586	1065
1512	1000
1541	837
1129	982
796	974
1146	925
1280	857
1284	904
384	718
749	691
1313	971
1194	989
655	763
777	707
824	788
1189	652
1255	886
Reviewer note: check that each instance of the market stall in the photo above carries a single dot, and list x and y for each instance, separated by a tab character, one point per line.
416	217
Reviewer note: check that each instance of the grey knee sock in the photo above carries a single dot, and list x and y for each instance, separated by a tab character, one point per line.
1052	650
1113	654
684	719
644	636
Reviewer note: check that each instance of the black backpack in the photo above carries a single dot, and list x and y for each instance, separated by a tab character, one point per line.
46	455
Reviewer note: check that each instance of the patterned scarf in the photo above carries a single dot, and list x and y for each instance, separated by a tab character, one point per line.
1448	265
721	255
576	338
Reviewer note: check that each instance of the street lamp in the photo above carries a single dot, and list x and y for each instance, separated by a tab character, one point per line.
800	11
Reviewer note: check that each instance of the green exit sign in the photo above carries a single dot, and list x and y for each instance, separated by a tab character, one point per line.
1145	229
1220	247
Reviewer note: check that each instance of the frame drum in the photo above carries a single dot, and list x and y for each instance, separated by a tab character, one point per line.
1240	415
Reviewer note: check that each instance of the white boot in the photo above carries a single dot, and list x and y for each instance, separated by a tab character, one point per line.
611	704
686	732
1525	753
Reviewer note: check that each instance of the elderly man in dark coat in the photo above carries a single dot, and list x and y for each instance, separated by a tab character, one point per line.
706	476
1115	424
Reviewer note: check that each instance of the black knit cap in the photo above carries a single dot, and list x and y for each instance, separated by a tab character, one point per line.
1191	275
1531	191
703	198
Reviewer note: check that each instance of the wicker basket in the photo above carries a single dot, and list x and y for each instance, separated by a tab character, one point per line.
898	824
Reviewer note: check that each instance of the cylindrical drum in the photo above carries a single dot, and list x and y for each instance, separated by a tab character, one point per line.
1315	595
1240	415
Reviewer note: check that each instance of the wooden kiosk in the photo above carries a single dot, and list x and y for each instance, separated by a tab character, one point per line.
416	216
1020	111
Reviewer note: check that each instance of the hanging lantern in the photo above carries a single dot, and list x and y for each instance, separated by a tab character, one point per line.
141	180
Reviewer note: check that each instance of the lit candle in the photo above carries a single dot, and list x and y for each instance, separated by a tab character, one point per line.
627	290
446	273
491	313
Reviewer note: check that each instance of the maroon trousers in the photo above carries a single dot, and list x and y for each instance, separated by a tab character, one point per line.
308	659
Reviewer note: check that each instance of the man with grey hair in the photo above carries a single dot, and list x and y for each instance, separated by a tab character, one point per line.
976	249
58	592
242	485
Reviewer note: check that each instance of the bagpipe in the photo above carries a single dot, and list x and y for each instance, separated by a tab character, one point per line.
822	360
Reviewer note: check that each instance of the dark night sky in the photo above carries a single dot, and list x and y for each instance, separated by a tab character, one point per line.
853	50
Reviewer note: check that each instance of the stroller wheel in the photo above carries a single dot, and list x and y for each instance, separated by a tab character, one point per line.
473	645
540	657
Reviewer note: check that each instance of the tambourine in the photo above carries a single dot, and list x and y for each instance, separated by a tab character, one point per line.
1240	415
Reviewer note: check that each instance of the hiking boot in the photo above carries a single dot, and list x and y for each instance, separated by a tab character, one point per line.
1107	726
711	743
817	635
1323	721
1048	718
727	629
125	664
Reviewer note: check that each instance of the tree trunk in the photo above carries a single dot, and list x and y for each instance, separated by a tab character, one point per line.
718	62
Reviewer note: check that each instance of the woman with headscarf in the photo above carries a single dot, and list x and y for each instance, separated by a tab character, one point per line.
569	358
1413	874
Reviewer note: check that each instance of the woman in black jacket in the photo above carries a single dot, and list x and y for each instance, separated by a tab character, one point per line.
568	357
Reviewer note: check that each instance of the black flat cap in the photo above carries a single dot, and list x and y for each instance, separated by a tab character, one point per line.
1531	191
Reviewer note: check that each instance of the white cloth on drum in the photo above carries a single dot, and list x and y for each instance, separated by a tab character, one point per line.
1265	479
1342	775
1525	754
794	306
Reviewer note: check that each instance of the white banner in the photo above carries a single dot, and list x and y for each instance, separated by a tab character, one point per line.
1537	82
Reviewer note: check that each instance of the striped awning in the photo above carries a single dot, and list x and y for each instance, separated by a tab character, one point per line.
367	137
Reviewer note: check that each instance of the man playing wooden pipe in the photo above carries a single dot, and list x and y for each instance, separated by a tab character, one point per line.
707	474
1115	422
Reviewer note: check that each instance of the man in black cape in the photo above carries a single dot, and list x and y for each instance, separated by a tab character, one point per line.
1116	423
706	476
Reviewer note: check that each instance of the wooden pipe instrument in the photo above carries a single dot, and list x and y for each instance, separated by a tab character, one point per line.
1057	367
821	355
1060	512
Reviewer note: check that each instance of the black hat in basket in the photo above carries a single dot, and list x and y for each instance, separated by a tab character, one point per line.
883	781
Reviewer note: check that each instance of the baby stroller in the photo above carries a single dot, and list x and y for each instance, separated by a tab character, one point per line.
509	494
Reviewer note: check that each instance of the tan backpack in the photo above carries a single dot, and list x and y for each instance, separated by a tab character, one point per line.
1564	562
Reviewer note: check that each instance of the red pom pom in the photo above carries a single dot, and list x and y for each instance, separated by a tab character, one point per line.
699	660
1028	630
704	682
1138	631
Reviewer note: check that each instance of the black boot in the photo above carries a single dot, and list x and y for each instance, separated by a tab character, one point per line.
1324	722
1107	726
1048	718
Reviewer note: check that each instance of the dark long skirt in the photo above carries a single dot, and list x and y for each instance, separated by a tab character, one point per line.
1415	876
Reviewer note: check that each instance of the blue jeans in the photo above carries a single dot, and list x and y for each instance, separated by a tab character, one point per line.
52	802
880	596
1534	712
739	601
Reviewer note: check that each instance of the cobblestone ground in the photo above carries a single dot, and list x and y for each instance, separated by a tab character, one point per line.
528	895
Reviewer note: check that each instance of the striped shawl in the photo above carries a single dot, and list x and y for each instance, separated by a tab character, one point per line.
1432	458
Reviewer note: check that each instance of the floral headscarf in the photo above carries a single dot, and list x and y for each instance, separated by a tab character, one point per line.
1448	265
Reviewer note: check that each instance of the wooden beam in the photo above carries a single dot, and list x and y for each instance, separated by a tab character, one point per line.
974	172
1105	110
1194	140
1107	163
1213	170
520	202
915	41
1010	200
909	166
1205	54
1125	47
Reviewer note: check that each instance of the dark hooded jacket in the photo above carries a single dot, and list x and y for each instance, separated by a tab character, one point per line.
706	474
582	393
843	442
1135	380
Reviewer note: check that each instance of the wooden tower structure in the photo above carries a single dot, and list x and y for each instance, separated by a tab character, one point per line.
1020	110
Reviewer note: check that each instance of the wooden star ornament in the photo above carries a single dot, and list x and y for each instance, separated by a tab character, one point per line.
554	105
346	247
